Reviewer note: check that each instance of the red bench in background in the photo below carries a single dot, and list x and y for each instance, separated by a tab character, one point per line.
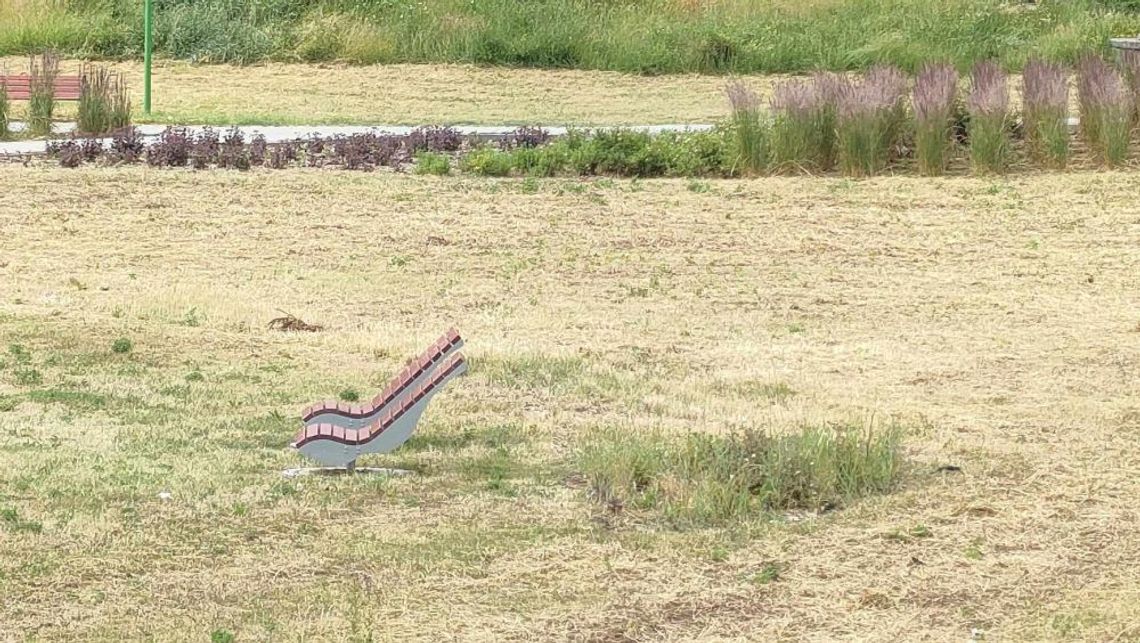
19	87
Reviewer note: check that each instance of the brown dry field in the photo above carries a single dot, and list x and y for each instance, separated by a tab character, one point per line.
999	321
414	94
298	94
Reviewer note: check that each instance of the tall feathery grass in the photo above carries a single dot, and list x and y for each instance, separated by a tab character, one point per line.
1106	109
104	105
868	122
798	115
988	106
1130	65
1045	112
935	98
4	110
750	128
892	84
43	69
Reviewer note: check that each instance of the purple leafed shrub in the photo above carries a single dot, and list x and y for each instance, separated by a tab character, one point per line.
275	158
1105	110
525	137
257	149
750	132
290	150
1045	109
988	105
171	150
126	145
70	154
92	149
204	151
232	152
935	98
433	139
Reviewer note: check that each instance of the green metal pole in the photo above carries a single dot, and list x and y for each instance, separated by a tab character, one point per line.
148	46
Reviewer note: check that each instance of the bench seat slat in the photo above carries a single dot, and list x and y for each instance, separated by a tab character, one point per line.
19	87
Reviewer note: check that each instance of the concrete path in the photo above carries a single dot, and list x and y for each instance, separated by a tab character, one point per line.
278	134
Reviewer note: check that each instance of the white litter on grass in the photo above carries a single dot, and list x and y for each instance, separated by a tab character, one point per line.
340	471
165	495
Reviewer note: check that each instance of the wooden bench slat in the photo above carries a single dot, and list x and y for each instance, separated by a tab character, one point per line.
19	87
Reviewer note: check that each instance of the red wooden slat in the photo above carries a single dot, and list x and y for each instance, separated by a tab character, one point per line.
19	87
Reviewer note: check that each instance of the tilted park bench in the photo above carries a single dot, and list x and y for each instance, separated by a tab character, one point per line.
19	87
336	434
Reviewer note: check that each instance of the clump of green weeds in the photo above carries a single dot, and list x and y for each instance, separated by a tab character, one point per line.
705	479
432	163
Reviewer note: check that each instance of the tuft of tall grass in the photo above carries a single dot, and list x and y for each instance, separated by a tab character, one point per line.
935	100
1130	64
867	123
749	127
988	106
43	69
891	84
4	107
1045	110
103	102
804	122
795	132
700	480
1106	121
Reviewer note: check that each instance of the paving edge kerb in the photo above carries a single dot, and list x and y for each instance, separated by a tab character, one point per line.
283	133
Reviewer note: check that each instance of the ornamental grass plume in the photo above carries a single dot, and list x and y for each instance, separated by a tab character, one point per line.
868	121
1045	109
935	99
988	106
750	128
1105	110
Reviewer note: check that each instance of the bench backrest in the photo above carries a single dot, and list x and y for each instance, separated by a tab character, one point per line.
19	87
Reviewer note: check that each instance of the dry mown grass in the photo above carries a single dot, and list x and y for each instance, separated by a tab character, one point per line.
413	95
998	321
299	94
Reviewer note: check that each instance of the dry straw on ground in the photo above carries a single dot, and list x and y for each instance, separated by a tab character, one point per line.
995	320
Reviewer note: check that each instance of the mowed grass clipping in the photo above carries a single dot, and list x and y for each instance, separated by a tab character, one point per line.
146	406
642	36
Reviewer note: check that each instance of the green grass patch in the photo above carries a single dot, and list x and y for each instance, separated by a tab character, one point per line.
701	479
432	163
639	36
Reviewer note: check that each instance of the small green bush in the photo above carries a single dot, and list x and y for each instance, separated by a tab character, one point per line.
701	479
487	161
544	161
622	152
122	345
432	163
709	153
